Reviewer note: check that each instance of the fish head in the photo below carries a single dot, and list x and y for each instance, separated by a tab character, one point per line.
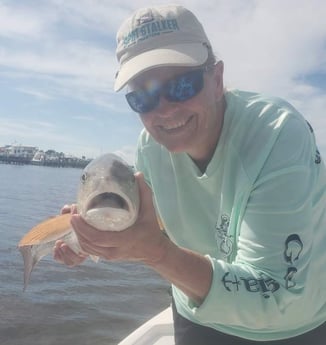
108	196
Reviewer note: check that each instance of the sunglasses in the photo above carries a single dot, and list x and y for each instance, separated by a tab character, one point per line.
179	89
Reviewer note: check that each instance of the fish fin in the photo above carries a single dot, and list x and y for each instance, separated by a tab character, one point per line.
72	242
30	261
54	227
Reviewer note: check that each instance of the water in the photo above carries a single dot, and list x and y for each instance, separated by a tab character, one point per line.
92	304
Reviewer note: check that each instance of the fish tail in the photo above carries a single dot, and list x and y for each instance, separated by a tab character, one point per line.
29	262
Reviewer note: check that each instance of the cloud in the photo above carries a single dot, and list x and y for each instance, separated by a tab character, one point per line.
72	59
48	135
36	45
83	118
272	46
30	129
261	49
20	22
65	49
35	93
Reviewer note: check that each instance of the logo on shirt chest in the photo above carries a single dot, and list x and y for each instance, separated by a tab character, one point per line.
223	239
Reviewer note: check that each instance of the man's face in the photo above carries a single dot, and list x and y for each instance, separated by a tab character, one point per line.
189	126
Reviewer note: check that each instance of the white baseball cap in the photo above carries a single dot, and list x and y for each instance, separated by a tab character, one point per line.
167	35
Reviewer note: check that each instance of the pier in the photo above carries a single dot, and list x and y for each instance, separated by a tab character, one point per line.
14	160
57	163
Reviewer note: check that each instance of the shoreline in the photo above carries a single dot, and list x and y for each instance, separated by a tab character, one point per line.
62	163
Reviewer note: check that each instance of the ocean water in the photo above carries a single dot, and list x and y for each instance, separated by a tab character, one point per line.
92	304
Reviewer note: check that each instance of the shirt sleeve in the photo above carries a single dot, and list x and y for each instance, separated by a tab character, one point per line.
265	285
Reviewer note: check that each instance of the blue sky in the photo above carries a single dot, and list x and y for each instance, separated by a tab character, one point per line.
57	66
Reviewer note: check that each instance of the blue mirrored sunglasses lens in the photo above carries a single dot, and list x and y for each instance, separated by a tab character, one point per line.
179	89
184	87
142	101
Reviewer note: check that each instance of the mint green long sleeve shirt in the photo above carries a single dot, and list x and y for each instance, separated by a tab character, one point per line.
258	213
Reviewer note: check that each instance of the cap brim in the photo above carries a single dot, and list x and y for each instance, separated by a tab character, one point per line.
190	54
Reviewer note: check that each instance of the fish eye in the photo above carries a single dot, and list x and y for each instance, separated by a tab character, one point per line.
84	177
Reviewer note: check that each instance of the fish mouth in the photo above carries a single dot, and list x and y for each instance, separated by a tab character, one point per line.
108	199
108	211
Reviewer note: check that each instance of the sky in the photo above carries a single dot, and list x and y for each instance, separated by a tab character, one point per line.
57	66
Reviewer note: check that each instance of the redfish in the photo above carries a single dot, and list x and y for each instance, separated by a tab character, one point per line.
107	199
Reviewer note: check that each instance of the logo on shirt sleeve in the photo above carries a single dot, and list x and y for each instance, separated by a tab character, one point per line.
292	252
263	284
223	239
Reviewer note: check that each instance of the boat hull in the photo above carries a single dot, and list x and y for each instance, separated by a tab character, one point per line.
156	331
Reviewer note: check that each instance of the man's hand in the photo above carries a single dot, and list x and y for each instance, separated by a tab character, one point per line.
143	241
61	252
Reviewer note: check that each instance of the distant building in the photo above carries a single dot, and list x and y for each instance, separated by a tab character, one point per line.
19	154
19	151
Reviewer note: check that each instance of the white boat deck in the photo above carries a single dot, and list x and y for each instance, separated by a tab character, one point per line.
156	331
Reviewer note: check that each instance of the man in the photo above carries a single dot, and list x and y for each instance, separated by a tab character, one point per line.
239	185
